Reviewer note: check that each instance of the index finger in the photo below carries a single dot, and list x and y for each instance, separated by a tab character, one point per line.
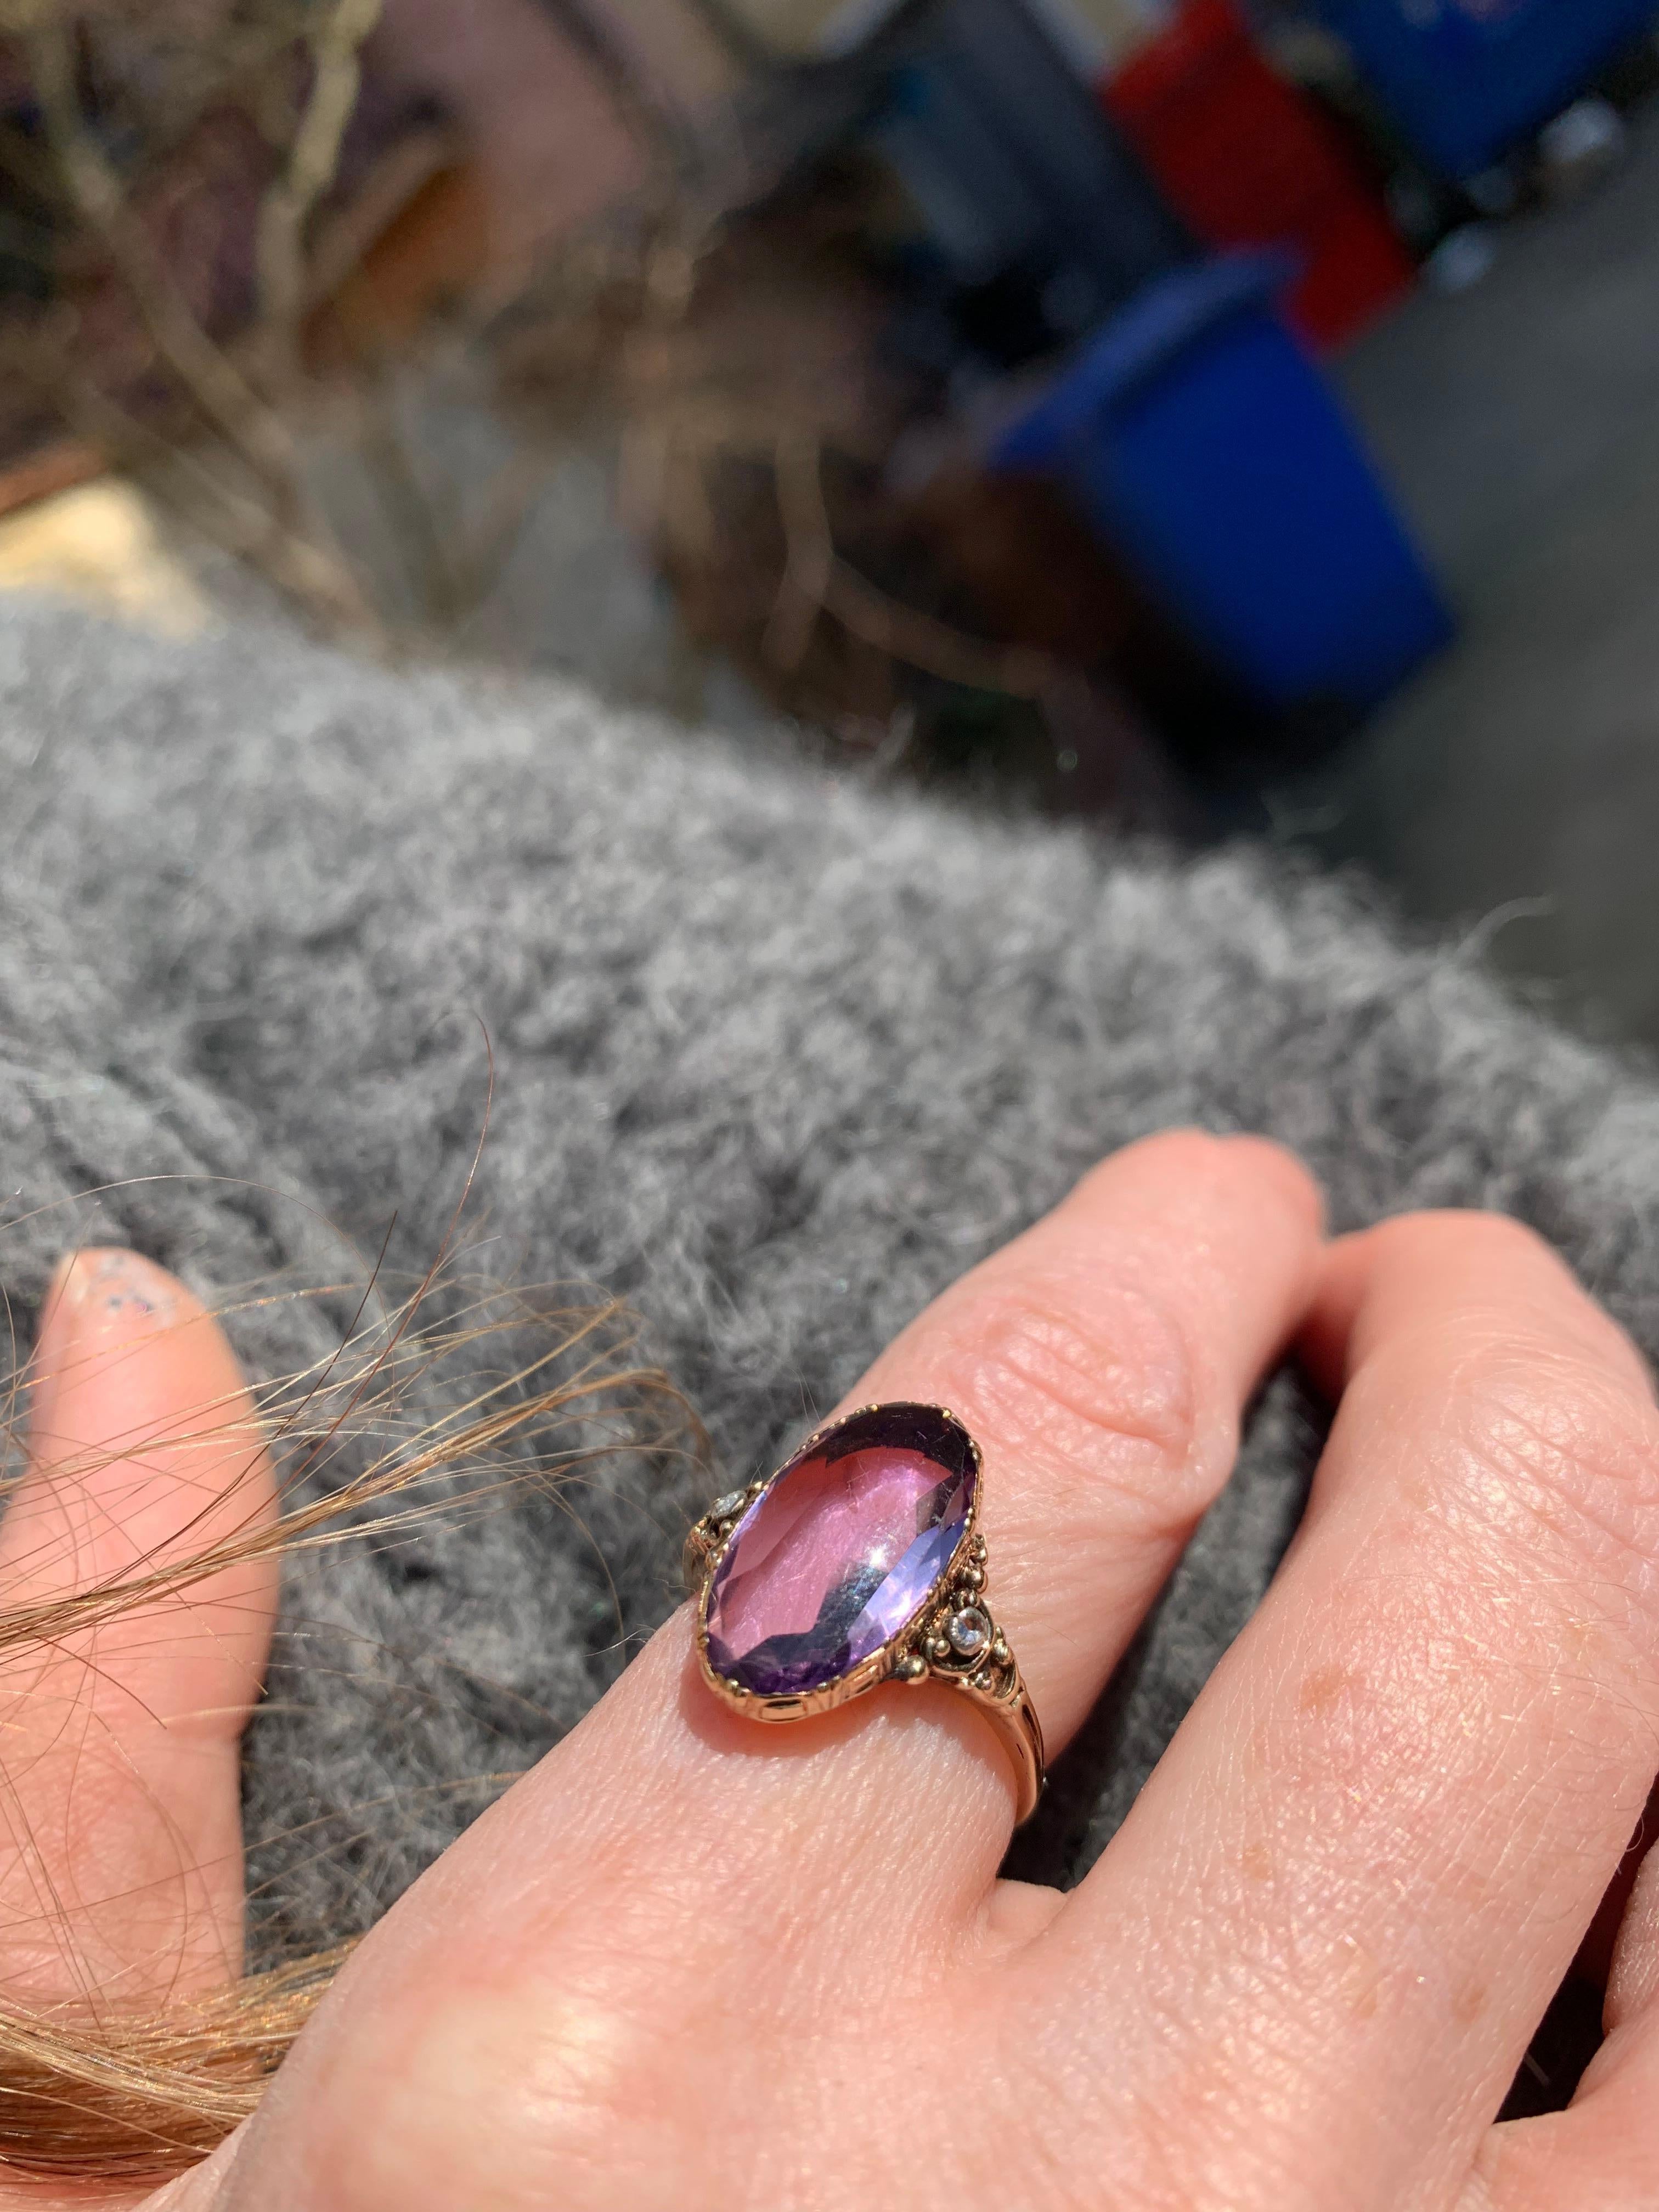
1373	1848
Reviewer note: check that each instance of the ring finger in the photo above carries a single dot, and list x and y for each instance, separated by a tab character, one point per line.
672	1853
1100	1362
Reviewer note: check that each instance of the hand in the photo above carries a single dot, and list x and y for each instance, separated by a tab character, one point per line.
689	1963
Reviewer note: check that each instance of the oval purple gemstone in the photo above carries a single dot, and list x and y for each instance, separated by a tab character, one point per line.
842	1551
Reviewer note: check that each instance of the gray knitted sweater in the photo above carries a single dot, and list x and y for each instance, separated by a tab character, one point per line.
776	1055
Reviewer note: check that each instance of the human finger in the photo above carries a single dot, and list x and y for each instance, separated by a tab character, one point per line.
673	1861
1101	1362
120	1830
1603	2150
1373	1848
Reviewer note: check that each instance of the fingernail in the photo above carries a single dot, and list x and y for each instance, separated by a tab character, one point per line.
97	1299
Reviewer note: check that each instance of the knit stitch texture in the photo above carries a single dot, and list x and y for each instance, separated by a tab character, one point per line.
776	1054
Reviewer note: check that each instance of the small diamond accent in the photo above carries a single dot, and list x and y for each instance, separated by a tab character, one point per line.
724	1508
968	1631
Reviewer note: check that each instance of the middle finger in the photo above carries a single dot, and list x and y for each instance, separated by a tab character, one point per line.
1372	1850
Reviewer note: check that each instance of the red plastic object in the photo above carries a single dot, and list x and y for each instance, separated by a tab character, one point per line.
1246	160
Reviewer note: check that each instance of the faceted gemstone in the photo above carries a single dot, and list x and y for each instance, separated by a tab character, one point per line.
724	1508
968	1631
842	1551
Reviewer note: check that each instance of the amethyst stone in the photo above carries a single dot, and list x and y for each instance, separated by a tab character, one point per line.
841	1551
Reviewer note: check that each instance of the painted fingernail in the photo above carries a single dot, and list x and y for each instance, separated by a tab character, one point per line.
97	1299
106	1284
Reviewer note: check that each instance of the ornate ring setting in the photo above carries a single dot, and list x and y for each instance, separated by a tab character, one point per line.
859	1563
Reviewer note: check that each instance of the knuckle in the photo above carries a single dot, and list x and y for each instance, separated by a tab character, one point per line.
1432	1231
1106	1389
483	2099
1575	1450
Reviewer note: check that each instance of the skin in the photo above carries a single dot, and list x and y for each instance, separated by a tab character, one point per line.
688	1963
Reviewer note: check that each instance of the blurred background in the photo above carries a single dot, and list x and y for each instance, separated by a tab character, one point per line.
1219	416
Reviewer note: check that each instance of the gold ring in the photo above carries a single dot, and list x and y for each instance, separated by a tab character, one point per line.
858	1563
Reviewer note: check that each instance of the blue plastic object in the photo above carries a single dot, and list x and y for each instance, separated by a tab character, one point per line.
1206	448
1468	80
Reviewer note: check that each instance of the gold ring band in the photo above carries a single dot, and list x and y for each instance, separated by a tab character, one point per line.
859	1562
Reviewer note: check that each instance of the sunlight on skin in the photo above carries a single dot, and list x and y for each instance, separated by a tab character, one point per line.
120	1837
120	1822
680	1964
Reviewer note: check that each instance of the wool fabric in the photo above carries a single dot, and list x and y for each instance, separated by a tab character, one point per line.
774	1053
